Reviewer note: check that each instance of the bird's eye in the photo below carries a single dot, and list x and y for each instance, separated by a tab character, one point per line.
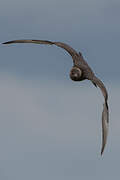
72	73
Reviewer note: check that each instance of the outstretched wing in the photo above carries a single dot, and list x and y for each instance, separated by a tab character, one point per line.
105	113
69	49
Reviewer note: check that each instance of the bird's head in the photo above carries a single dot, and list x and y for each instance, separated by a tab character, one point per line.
76	74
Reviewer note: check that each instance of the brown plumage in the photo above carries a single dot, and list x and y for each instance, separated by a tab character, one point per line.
80	71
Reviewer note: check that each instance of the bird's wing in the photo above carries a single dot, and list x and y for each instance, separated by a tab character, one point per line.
69	49
105	126
105	113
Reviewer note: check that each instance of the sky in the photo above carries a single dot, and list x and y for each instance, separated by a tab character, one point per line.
50	126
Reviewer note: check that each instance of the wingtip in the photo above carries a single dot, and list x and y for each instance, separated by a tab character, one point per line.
6	43
102	150
105	126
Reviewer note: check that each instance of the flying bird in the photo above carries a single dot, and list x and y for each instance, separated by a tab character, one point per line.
79	72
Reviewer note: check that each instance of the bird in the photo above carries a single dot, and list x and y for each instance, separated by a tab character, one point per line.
80	71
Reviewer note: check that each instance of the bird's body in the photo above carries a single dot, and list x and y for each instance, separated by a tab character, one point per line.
79	72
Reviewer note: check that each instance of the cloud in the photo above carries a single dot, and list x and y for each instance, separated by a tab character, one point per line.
50	127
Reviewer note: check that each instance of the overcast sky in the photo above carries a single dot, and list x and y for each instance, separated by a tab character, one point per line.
50	126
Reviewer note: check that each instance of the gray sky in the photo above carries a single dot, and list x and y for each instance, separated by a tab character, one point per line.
45	132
